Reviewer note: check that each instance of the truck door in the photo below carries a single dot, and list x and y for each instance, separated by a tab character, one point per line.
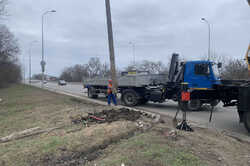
198	75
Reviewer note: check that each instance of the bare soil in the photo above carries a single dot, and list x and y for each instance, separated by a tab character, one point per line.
108	116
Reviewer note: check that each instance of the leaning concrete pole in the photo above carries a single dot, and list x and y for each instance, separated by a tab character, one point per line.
111	45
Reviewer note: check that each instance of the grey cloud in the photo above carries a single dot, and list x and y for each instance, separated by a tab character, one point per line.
157	27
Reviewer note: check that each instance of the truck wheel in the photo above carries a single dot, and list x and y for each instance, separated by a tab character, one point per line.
246	120
194	105
130	97
91	93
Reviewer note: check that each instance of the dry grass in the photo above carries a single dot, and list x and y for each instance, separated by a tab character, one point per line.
149	148
26	107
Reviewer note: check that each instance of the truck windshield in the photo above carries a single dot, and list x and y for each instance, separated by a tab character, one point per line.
202	69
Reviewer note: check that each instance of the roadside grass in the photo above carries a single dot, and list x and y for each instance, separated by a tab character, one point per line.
59	145
25	107
148	148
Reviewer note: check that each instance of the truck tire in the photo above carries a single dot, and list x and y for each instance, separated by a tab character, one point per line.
130	97
91	93
246	120
194	105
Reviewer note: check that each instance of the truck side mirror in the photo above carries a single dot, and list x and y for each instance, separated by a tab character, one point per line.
219	65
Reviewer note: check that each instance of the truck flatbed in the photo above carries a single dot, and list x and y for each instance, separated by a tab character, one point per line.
130	80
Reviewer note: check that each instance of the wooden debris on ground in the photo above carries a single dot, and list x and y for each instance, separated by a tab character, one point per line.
27	133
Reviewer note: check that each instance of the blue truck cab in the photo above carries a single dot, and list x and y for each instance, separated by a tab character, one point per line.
200	74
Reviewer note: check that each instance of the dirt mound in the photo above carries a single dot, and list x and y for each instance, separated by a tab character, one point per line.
108	116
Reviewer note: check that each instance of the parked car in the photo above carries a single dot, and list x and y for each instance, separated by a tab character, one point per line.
45	82
62	82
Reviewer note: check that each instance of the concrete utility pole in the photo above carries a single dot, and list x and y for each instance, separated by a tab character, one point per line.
209	36
111	45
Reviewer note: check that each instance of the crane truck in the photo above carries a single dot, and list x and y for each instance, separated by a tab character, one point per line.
203	84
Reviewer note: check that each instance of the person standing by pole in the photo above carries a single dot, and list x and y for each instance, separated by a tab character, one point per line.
111	93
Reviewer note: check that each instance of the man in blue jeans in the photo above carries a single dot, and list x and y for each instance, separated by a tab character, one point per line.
111	95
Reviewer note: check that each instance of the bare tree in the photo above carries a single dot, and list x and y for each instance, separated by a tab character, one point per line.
75	73
232	69
67	74
94	67
79	72
3	12
151	67
105	70
216	58
235	70
9	67
8	45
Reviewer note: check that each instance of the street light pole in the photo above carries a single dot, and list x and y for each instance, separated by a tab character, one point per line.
43	62
30	59
23	69
209	36
133	47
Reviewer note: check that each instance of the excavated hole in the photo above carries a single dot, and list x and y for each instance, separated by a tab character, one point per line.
107	116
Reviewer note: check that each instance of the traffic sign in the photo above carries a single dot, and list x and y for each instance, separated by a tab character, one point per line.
43	63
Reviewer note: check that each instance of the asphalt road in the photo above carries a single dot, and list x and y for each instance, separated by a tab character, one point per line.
223	118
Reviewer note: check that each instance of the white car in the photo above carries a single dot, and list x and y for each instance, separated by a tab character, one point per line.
62	82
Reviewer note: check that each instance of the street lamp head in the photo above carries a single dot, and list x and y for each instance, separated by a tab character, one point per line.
203	19
47	12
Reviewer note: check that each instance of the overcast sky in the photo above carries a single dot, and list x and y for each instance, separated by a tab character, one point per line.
77	31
